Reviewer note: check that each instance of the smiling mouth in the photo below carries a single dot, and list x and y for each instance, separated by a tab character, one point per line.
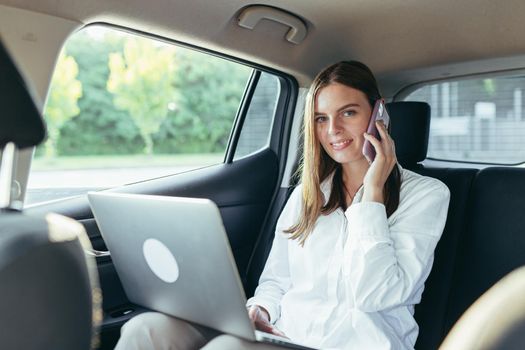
339	145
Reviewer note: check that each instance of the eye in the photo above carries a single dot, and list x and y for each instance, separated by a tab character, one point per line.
349	113
320	119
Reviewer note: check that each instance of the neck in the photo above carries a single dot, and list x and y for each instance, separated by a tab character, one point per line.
354	173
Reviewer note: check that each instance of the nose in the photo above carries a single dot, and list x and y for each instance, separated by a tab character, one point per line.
334	126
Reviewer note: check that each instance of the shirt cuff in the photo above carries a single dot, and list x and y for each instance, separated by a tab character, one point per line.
367	219
273	311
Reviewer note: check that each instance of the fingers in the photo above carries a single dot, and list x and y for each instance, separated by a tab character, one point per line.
264	326
256	312
261	322
386	146
380	125
375	143
252	312
268	328
278	332
389	145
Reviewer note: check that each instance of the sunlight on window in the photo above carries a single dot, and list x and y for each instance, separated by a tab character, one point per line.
124	108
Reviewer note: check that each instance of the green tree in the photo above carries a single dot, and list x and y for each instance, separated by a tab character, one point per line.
208	94
61	103
141	80
100	127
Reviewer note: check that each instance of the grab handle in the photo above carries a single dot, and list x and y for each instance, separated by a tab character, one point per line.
252	15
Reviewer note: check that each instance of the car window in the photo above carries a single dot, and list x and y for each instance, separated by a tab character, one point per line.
123	108
476	120
258	121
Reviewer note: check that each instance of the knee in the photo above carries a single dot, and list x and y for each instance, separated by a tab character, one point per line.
144	331
145	322
153	330
226	341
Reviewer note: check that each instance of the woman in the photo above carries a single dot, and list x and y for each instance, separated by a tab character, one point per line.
353	246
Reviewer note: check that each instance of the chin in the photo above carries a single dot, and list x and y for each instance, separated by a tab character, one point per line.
347	158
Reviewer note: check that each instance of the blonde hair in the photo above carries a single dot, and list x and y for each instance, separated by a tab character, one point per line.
316	165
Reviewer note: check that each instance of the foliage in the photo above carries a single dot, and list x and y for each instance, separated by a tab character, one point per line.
208	93
181	100
100	128
62	100
141	79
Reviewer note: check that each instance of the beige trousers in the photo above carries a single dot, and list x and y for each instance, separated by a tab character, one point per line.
153	330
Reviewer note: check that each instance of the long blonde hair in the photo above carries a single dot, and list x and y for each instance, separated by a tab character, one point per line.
316	165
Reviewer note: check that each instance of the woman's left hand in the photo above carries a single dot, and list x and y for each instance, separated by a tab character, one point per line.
385	160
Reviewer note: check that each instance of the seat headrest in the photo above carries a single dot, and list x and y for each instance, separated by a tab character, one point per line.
20	120
410	126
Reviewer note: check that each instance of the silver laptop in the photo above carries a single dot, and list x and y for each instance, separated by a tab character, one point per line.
173	256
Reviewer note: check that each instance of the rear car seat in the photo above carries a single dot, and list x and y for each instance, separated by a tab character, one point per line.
494	243
410	130
483	238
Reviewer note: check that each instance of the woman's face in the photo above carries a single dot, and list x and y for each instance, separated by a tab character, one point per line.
341	117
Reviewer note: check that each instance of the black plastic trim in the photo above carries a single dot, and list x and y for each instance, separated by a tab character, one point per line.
241	115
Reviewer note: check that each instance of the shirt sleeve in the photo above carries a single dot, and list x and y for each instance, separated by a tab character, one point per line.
386	265
275	278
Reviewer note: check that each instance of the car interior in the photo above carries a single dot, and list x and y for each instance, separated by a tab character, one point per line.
423	54
42	264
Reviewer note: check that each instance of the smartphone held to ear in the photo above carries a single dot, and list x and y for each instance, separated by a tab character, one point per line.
379	113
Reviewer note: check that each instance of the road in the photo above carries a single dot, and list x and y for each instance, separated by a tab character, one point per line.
49	185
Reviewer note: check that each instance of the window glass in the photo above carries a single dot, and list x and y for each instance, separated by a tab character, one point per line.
123	108
476	120
258	121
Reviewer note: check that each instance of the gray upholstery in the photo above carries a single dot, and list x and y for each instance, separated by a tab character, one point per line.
46	286
49	294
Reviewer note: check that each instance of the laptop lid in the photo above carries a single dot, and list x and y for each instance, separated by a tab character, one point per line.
172	255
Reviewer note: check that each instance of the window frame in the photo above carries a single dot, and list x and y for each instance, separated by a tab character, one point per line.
287	94
286	90
404	92
281	122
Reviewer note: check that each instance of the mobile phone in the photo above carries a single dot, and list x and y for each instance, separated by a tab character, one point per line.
378	113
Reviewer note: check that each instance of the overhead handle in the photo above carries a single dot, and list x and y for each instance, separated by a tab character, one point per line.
252	15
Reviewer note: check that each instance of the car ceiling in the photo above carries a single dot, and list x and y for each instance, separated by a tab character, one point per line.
403	41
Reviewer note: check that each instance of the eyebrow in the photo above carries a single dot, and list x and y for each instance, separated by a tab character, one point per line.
341	108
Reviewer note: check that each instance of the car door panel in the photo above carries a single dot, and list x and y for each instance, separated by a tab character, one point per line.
242	190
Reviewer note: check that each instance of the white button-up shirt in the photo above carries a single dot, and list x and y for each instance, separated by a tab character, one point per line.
355	282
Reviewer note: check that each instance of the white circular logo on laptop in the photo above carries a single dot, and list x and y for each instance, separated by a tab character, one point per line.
160	260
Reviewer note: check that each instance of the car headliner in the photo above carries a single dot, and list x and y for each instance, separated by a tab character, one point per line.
403	41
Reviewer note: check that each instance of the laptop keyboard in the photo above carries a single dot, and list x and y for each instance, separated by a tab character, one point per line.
277	340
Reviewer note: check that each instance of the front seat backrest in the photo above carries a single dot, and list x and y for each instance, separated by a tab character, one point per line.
49	294
47	288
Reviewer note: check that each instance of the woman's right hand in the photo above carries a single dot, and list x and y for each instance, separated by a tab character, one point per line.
261	320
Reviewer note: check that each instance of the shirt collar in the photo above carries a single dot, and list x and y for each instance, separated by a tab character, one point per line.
326	187
326	190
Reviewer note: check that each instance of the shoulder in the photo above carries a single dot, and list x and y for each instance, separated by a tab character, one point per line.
423	204
419	192
413	184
